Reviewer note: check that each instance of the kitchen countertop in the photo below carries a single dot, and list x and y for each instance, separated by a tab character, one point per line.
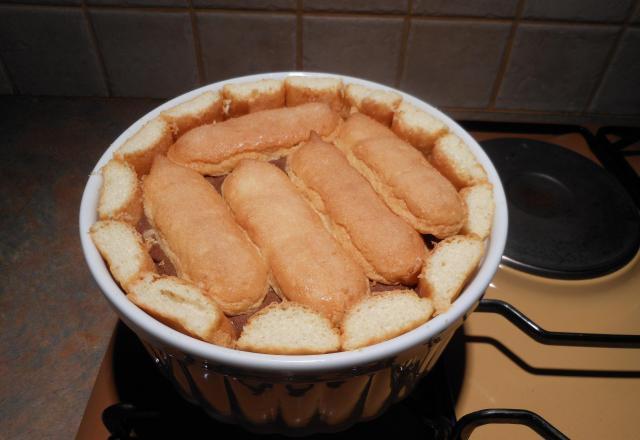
55	323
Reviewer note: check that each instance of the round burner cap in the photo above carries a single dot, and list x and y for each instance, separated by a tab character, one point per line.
568	218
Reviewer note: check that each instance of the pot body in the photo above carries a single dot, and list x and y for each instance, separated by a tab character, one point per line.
297	404
295	395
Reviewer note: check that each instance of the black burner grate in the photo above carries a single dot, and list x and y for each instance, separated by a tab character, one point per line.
614	153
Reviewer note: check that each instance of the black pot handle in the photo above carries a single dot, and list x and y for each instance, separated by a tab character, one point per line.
121	418
465	426
543	336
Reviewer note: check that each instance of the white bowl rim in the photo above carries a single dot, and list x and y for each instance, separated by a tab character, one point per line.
290	364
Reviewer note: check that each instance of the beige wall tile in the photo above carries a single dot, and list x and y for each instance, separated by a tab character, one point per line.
454	63
49	52
578	10
147	54
235	44
367	47
554	67
619	92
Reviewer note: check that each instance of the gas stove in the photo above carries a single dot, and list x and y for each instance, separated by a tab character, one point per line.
565	363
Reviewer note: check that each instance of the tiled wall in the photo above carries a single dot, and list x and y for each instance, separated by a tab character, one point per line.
565	60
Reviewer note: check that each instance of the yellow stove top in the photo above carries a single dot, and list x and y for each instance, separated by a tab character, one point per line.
587	393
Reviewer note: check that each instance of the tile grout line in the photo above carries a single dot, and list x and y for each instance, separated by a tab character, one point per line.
161	9
197	44
12	83
476	111
615	48
404	42
509	110
94	42
299	36
506	56
90	97
461	18
524	112
444	108
397	15
576	23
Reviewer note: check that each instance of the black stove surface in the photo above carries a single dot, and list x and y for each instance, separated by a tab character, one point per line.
152	409
568	218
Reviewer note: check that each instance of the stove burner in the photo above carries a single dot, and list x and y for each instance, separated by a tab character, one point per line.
539	195
568	218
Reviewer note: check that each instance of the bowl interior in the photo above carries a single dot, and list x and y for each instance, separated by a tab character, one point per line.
158	333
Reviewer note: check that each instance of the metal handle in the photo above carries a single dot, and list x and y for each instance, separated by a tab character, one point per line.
471	421
543	336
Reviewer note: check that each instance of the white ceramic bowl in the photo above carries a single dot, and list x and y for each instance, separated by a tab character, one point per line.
294	394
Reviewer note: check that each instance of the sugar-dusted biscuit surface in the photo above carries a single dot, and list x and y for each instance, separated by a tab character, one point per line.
201	239
215	149
402	176
388	249
307	265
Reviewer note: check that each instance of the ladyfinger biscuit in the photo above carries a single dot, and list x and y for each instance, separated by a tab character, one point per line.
384	316
289	328
377	104
203	109
123	249
153	138
183	307
387	248
254	96
266	135
417	127
480	208
449	266
303	89
307	265
120	194
402	176
456	162
201	239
